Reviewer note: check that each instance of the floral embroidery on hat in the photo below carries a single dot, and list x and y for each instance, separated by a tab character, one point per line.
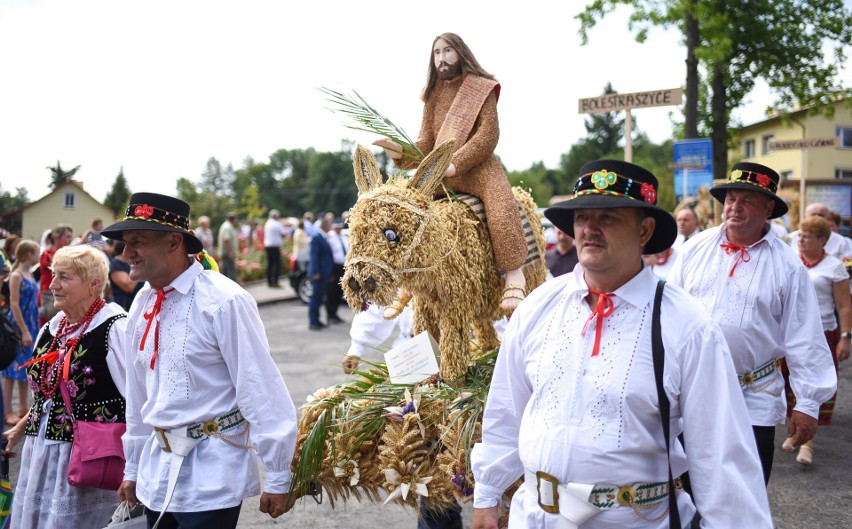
736	175
144	211
603	179
763	179
649	193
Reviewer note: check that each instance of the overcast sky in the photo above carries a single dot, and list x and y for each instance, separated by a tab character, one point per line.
159	87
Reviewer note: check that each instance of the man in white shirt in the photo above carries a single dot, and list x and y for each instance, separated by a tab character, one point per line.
339	248
837	245
687	225
273	237
203	393
757	290
573	404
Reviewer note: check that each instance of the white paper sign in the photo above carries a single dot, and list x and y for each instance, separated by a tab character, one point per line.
413	360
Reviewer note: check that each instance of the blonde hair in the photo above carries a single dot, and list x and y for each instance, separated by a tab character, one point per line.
816	225
88	263
22	250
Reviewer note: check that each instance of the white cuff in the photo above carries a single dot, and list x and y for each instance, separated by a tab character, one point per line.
486	496
277	482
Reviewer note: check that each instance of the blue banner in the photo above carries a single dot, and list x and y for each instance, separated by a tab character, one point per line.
698	152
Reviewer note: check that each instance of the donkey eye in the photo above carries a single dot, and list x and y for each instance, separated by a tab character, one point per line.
391	235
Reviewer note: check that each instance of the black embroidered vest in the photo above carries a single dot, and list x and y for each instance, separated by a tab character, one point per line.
94	396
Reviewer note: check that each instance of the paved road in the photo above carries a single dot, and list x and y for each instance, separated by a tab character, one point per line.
817	497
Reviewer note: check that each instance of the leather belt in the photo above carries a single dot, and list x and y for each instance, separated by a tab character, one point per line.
179	442
577	502
750	377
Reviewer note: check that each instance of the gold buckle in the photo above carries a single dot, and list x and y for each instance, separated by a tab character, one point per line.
210	427
747	379
554	484
165	439
625	495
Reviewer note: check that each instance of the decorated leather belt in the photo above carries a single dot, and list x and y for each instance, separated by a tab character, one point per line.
202	430
577	502
759	373
179	442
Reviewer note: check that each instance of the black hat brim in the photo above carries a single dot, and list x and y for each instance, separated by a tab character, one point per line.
116	232
721	190
665	229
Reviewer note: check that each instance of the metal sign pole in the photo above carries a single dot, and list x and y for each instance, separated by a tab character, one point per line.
628	137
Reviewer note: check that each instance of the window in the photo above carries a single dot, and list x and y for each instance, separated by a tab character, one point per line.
845	135
764	143
69	200
748	149
786	175
843	174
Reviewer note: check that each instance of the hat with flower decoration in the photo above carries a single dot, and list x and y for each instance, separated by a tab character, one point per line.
154	212
752	177
609	184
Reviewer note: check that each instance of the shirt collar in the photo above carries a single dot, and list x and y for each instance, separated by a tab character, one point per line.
184	282
638	291
768	236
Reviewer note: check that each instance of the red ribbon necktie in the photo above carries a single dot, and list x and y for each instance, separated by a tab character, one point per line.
603	309
743	256
151	316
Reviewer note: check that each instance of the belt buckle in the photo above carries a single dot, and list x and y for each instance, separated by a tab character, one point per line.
747	378
552	493
626	495
162	434
210	427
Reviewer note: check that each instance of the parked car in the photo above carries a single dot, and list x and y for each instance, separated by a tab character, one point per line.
299	277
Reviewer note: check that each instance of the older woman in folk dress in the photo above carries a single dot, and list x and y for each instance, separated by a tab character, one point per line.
831	282
88	335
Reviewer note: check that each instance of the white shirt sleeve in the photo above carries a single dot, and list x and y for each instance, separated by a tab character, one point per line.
369	330
262	395
135	394
809	359
495	461
719	442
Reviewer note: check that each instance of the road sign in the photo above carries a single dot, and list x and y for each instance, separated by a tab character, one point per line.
808	143
611	102
693	165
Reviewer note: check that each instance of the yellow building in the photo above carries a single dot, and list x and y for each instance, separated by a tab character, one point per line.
68	204
827	166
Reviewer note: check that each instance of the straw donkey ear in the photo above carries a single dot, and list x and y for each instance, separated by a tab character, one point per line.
367	174
430	172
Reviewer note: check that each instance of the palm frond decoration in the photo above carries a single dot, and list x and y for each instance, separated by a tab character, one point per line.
368	119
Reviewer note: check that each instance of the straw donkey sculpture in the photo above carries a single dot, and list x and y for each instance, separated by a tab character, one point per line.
438	250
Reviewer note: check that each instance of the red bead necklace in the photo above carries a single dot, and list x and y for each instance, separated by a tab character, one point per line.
811	264
51	375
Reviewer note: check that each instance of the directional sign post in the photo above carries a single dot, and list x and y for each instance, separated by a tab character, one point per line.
627	102
803	144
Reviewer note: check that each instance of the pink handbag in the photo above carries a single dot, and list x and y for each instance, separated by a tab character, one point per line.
97	455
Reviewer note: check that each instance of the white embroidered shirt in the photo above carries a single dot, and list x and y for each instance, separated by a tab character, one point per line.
213	357
554	407
767	309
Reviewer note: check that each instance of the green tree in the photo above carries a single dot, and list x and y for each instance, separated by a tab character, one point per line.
59	176
119	195
740	41
9	202
537	180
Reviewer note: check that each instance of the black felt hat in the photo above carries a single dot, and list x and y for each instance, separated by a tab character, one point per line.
609	184
752	177
154	212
